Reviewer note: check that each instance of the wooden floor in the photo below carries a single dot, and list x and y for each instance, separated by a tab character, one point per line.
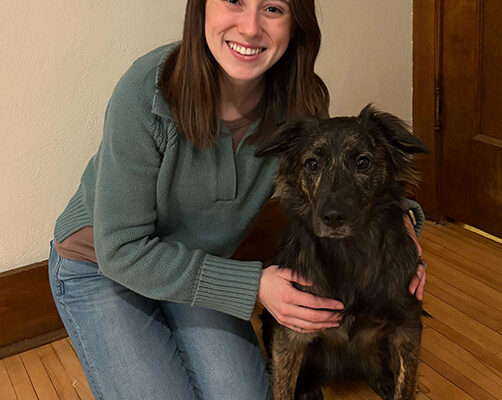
461	355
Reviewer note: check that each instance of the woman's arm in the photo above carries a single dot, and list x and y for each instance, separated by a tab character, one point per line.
128	248
417	284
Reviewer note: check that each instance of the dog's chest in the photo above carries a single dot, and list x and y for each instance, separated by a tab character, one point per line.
357	332
361	288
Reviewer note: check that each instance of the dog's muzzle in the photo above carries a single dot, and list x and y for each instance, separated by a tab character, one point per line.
335	218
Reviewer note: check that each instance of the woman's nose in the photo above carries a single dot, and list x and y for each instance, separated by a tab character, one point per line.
249	24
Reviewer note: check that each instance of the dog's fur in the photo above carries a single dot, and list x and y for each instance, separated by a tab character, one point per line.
342	182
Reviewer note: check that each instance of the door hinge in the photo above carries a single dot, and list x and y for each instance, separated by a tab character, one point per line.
437	108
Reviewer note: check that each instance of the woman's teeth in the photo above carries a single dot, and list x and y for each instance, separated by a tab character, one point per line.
245	51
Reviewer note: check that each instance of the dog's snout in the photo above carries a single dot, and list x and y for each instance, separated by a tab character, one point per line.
334	218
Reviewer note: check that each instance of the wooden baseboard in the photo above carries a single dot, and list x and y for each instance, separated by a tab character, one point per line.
28	315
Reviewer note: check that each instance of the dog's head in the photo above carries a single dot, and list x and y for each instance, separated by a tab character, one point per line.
333	172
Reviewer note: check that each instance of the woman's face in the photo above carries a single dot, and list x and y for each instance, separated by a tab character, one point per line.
247	37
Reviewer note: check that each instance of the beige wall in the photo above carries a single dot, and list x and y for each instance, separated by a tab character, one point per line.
366	54
60	60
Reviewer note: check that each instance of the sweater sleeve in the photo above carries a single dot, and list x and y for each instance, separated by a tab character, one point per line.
419	216
127	248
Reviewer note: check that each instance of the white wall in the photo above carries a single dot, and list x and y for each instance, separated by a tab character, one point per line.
60	60
366	54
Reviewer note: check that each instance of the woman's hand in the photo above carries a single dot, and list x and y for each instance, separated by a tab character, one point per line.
300	311
417	284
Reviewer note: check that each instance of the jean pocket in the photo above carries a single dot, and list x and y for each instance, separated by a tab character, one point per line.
68	272
55	261
76	269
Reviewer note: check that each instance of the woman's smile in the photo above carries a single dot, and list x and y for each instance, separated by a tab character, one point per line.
245	50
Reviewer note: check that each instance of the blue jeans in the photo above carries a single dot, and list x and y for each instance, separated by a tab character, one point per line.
132	347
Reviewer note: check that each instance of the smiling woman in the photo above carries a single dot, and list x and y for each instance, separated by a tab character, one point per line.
141	268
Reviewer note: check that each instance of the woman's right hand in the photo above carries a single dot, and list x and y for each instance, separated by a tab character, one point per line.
294	308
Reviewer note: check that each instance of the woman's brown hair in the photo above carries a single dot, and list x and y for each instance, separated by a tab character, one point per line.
189	79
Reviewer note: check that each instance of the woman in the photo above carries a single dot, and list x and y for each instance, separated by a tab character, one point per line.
139	267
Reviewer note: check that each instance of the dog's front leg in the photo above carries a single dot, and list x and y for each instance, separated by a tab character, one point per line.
404	348
288	348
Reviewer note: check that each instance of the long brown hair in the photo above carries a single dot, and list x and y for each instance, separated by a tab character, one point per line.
189	79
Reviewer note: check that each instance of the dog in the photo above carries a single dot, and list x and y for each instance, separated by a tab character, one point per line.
342	182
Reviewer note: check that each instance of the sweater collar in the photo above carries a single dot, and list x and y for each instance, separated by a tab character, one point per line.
159	105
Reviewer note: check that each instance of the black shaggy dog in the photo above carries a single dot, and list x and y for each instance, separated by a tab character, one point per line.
342	182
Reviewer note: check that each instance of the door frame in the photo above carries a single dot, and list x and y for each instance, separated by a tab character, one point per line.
427	48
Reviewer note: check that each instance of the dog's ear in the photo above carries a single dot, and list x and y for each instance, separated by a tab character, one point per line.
396	131
287	137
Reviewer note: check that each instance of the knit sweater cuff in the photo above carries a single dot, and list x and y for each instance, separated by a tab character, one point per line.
419	216
228	286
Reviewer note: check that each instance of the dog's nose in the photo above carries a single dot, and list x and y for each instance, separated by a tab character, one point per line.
334	218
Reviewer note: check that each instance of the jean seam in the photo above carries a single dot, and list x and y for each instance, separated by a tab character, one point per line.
83	347
59	282
75	328
179	352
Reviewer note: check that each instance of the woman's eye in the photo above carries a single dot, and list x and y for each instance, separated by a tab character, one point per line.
312	164
363	163
273	10
232	1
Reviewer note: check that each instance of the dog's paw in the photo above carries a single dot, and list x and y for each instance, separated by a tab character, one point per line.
385	389
312	394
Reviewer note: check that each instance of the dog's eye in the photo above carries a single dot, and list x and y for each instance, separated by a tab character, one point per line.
363	163
312	164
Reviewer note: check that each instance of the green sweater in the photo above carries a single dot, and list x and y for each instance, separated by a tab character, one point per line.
166	214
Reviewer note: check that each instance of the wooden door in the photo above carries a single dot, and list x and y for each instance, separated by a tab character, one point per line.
467	74
471	116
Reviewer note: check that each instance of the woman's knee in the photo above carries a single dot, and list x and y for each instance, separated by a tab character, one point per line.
222	350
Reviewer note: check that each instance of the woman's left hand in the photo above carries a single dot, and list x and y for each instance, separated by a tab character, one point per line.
417	284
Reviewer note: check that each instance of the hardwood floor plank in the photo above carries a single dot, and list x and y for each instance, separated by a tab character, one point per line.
460	300
452	375
460	366
456	259
475	361
59	377
6	390
354	391
330	395
73	368
451	230
489	257
368	393
38	375
489	339
19	378
488	358
464	234
437	387
422	396
469	284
